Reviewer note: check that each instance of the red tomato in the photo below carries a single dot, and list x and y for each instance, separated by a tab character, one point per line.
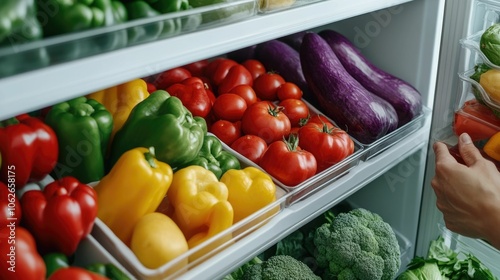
226	131
229	106
237	75
287	162
319	119
255	67
170	77
217	69
265	120
295	129
289	90
196	68
250	146
247	92
295	109
267	84
328	144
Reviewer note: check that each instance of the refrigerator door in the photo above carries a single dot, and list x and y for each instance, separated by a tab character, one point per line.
462	18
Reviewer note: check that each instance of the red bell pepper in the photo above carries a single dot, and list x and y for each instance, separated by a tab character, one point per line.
10	208
61	215
193	94
170	77
75	273
19	258
29	150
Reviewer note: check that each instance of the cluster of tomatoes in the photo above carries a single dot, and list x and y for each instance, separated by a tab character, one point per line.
259	115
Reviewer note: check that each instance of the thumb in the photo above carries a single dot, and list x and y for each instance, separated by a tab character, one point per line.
470	154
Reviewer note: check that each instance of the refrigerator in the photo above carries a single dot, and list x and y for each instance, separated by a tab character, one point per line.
415	40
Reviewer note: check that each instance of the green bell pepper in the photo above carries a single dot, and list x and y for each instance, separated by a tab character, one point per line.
214	158
18	22
83	128
54	261
66	16
162	122
138	9
109	270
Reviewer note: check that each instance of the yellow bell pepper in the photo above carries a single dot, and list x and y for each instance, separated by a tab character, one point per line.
156	240
201	209
492	146
121	99
250	189
134	187
490	81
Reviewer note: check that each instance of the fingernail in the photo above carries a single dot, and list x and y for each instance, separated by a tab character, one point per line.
465	138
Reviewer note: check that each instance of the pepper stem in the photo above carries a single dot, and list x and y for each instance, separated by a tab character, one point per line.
8	122
150	157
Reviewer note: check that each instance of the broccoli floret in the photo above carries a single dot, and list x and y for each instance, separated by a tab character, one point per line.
358	245
280	267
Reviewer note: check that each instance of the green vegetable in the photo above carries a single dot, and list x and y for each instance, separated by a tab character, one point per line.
214	158
420	269
109	270
280	267
83	128
63	16
457	265
55	261
162	122
18	21
490	43
239	272
357	245
159	29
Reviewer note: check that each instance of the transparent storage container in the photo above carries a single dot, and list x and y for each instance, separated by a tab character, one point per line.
472	42
477	247
268	6
476	113
199	254
90	252
18	57
323	178
447	136
385	142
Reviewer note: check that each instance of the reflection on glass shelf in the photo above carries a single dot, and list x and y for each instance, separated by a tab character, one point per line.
20	58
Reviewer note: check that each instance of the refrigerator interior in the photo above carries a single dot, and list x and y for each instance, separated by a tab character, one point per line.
405	38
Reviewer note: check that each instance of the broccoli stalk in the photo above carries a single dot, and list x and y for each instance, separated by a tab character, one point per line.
357	245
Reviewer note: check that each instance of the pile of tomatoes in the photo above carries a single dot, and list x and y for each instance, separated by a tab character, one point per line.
261	116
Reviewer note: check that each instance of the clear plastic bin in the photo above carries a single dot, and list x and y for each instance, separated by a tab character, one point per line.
201	253
488	255
323	178
268	6
380	145
476	113
472	42
19	58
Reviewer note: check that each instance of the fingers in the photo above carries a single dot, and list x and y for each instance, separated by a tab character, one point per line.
442	153
470	154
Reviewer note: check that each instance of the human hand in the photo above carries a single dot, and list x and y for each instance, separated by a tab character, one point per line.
468	195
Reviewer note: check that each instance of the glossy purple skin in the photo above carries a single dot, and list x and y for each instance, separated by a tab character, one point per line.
294	40
402	96
364	115
242	54
281	58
